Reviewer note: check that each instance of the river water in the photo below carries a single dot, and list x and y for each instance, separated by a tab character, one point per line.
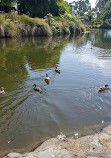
70	102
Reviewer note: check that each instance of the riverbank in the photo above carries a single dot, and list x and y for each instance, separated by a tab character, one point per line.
104	25
92	146
13	25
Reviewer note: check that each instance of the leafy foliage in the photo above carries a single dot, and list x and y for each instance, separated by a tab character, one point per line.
63	7
104	7
80	7
64	23
6	5
34	8
101	4
41	8
8	2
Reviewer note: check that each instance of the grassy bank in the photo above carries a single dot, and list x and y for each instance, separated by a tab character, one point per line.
103	25
13	25
92	26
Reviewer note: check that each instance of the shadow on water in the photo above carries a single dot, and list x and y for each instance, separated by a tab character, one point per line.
68	103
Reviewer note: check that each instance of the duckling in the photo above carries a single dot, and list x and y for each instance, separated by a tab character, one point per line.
47	78
106	87
57	70
36	88
2	90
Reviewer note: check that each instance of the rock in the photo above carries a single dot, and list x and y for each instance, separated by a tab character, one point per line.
107	130
13	155
93	146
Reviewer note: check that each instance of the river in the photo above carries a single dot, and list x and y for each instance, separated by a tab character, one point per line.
70	102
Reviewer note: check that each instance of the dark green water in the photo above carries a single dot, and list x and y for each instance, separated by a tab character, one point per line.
70	102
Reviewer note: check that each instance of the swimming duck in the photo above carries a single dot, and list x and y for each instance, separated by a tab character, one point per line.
106	87
47	78
36	88
2	90
57	70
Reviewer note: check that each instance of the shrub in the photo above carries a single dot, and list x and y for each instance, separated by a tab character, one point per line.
1	19
24	25
10	26
49	19
27	20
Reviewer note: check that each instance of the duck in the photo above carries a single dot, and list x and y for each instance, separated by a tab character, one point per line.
2	90
57	70
106	87
36	88
47	78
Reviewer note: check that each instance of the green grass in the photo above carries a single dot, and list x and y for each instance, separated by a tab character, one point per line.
23	19
55	24
10	26
2	20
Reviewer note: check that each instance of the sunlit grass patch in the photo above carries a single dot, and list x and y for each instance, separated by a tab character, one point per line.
10	26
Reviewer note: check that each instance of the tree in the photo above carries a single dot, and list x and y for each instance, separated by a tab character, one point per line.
107	11
63	7
41	8
54	8
101	4
80	7
104	7
34	8
6	5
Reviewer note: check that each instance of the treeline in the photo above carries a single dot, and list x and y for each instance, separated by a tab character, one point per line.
104	7
40	8
93	17
6	5
80	7
36	8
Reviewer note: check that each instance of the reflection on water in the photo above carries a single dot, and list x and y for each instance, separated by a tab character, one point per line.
70	102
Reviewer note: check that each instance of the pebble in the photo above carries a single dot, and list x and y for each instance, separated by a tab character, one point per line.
76	134
61	136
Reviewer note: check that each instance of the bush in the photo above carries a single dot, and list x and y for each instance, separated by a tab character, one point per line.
23	19
67	16
24	25
49	19
80	26
10	26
